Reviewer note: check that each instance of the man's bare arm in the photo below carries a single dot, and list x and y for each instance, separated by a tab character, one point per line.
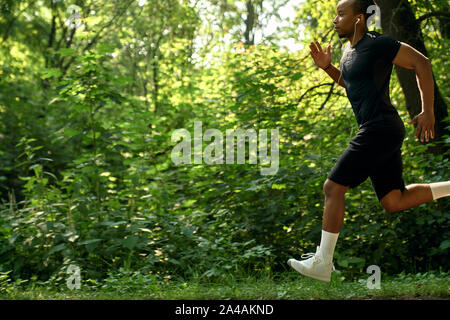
409	58
322	59
335	74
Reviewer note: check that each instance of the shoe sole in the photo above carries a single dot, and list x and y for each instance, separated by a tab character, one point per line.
324	279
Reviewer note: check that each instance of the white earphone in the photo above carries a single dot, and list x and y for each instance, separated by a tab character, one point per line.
354	33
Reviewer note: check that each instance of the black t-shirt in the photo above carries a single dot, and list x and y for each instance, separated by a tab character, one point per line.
366	69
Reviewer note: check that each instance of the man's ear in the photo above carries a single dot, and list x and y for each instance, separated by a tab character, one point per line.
360	18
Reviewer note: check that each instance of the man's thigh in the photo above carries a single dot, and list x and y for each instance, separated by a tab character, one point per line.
366	154
388	176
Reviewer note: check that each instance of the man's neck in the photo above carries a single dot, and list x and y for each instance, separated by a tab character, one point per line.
358	36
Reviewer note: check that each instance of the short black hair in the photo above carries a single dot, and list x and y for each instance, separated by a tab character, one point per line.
360	6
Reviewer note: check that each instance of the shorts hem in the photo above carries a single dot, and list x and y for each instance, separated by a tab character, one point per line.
381	195
342	182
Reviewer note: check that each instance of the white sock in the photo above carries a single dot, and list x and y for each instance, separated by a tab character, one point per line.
440	189
327	245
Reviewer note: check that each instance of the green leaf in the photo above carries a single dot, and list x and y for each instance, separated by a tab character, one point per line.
13	238
187	230
254	188
296	76
343	263
88	241
69	132
105	48
91	244
356	260
130	241
50	73
112	223
64	52
57	248
444	245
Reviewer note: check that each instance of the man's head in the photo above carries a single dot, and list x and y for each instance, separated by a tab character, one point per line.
351	13
361	6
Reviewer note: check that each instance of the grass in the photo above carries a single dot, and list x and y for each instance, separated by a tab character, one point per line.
284	286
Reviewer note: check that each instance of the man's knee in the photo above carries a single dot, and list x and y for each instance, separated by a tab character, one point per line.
391	204
331	188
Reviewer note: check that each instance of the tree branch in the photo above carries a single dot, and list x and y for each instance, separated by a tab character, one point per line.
98	34
51	36
328	96
312	88
434	14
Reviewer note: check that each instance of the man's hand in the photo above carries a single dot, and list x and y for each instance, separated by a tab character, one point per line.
321	59
425	126
410	58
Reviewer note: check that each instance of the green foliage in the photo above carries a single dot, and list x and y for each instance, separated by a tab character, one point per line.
4	282
285	286
87	178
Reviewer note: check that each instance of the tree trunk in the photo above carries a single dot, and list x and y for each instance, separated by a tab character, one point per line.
444	22
249	33
398	20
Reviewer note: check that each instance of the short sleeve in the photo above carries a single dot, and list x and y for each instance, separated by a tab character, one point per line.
386	47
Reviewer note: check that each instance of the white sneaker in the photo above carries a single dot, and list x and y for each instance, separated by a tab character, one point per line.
315	267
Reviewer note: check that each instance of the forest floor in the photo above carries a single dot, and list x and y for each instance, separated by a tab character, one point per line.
284	286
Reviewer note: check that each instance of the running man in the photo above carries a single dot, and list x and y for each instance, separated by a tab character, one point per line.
375	151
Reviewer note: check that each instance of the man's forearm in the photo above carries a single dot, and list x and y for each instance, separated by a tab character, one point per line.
425	82
335	74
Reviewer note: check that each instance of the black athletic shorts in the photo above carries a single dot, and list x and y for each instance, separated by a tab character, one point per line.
374	152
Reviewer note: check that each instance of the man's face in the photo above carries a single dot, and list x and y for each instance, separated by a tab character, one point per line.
344	23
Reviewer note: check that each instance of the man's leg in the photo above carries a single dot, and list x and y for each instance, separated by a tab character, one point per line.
319	265
333	217
414	195
351	169
333	214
